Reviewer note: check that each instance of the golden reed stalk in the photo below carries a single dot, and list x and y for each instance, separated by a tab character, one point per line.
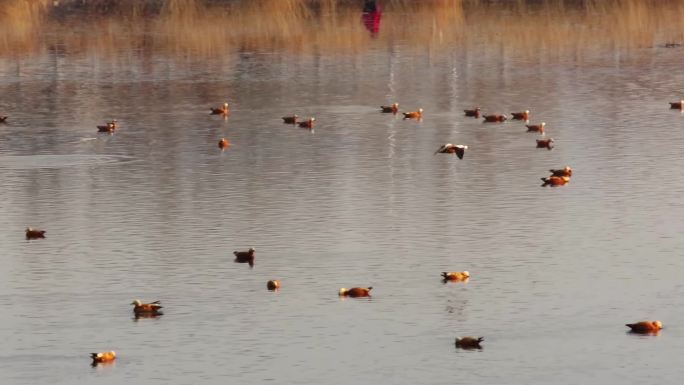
209	27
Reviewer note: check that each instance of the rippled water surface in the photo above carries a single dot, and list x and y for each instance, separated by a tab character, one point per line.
155	211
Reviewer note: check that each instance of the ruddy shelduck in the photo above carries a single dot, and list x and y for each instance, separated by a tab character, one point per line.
309	123
469	342
524	115
536	127
414	114
273	284
545	143
458	149
393	109
99	358
555	181
34	233
152	308
677	105
223	143
355	292
108	127
565	171
495	118
223	110
245	256
475	112
290	119
645	327
455	276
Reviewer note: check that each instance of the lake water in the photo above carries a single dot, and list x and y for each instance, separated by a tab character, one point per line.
155	210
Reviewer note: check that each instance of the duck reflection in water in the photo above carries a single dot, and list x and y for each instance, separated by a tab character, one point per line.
371	16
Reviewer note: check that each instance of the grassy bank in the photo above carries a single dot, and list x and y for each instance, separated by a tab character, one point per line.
213	26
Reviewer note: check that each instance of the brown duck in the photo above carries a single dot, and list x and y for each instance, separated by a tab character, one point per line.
393	109
495	118
223	110
458	149
34	233
414	114
223	143
3	119
290	119
457	276
554	181
536	127
524	115
273	284
245	256
307	123
565	171
545	143
475	112
104	357
108	127
152	308
677	105
355	292
469	342
645	327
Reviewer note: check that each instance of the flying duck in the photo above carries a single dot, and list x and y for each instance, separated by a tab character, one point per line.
458	149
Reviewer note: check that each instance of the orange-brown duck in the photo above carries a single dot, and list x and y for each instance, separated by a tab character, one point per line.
273	284
307	123
223	110
108	127
355	292
677	105
554	181
223	143
152	308
414	114
245	256
290	119
645	327
495	118
469	342
456	276
524	115
458	149
565	171
545	143
34	233
536	127
475	112
103	357
393	109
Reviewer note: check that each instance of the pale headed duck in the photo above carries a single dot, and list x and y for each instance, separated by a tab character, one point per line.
393	109
456	276
103	357
458	149
536	127
307	123
475	112
146	308
677	105
223	143
645	327
524	115
555	181
355	292
495	118
245	256
565	171
290	119
545	143
469	342
414	114
34	233
223	110
273	284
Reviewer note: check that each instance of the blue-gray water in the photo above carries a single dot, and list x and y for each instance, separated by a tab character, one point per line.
155	211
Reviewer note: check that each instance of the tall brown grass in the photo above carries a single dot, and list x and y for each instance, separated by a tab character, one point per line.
213	26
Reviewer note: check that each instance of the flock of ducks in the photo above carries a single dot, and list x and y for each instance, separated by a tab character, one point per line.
558	177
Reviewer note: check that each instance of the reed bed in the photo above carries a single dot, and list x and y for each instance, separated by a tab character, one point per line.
210	27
